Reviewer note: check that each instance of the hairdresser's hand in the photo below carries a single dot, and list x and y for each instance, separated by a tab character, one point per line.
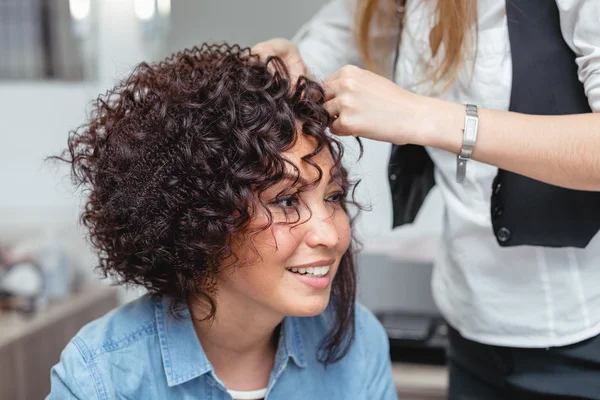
367	105
287	51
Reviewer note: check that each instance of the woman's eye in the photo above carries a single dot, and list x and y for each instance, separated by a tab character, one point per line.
286	202
336	198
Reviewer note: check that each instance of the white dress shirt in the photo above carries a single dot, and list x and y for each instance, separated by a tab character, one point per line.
521	296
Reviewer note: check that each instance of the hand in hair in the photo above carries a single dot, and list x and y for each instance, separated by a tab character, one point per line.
368	105
287	51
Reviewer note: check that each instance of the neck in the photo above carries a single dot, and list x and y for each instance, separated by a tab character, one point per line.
240	342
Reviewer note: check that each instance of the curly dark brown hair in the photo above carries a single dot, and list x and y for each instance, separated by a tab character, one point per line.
172	160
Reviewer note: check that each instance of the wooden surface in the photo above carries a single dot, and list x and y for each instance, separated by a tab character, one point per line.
31	345
420	382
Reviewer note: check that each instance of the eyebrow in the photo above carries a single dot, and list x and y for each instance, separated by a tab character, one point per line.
303	181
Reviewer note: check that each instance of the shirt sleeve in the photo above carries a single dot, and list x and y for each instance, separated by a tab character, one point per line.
378	364
580	25
326	42
71	379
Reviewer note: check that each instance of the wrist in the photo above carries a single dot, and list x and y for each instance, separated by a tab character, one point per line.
441	124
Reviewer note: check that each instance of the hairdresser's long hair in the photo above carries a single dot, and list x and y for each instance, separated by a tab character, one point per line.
454	19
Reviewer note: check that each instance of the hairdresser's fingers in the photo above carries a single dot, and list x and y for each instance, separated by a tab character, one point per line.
341	122
267	48
273	47
332	108
345	81
330	87
286	50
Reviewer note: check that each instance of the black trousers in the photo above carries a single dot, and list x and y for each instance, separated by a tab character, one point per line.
484	372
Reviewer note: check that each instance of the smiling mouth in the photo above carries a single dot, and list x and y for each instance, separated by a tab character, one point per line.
311	271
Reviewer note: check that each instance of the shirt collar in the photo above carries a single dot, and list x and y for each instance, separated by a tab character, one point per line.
182	354
290	343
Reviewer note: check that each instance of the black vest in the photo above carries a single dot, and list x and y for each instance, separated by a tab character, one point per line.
544	82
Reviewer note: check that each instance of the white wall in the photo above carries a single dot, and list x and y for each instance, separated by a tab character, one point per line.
242	22
35	122
35	118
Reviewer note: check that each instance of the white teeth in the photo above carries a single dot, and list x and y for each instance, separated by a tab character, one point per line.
314	271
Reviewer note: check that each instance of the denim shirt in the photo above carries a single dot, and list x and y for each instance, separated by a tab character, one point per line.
139	351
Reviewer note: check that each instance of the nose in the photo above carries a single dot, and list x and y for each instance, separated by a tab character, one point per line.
322	231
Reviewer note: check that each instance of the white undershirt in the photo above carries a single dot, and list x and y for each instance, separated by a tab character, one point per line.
248	394
517	296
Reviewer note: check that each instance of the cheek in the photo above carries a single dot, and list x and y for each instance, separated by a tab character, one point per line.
342	224
277	243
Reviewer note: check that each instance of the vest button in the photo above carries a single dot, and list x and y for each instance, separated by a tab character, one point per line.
503	235
497	188
392	177
497	212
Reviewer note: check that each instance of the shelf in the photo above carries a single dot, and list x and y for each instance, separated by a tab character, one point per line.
31	345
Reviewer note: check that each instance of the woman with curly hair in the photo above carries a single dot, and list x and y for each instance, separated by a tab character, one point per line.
212	182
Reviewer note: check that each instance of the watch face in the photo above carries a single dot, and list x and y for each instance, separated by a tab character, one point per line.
470	129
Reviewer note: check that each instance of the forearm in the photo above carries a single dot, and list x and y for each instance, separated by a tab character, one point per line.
560	150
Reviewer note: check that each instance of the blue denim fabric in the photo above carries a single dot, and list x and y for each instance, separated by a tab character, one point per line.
139	351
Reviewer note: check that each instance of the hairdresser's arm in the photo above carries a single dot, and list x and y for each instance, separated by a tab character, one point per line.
560	150
322	45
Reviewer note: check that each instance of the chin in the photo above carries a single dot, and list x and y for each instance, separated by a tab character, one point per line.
309	306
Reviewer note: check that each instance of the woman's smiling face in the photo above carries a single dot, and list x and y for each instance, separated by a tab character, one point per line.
291	265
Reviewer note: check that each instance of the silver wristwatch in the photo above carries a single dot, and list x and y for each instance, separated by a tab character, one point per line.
469	138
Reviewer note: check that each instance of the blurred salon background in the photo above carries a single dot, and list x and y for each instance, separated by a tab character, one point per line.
56	56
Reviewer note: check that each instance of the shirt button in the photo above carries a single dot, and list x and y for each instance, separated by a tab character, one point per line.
503	235
392	177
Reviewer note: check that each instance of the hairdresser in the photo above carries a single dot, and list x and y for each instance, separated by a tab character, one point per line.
497	104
